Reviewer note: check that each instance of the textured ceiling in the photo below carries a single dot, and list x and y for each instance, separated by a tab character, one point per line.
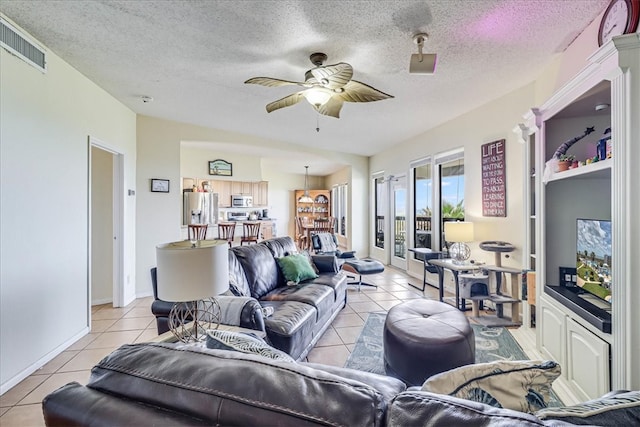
192	57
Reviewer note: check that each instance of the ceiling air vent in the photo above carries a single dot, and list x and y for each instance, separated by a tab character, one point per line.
16	43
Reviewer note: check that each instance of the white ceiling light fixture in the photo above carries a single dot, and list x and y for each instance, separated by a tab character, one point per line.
327	88
306	198
600	107
422	63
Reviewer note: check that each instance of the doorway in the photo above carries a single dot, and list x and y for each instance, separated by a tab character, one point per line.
398	226
105	245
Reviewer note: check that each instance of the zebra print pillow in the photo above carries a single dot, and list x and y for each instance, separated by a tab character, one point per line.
521	385
621	409
244	343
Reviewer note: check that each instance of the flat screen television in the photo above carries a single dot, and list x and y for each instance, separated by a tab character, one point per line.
593	257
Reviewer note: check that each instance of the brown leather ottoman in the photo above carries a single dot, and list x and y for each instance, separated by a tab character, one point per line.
424	337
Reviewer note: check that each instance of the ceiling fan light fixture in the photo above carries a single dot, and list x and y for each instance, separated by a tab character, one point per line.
422	63
317	96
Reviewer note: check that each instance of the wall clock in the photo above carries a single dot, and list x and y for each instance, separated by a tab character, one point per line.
621	17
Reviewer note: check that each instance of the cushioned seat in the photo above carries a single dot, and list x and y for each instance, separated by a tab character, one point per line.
424	337
319	296
363	267
290	325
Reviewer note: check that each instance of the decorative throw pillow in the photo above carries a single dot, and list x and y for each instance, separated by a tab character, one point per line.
244	343
296	268
621	409
519	385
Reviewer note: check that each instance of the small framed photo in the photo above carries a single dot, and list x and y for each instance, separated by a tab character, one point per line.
159	185
220	167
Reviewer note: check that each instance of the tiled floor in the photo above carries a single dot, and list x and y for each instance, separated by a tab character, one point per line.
112	327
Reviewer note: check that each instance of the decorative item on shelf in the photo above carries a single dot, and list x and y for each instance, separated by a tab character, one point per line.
565	162
604	145
190	275
552	164
306	198
459	233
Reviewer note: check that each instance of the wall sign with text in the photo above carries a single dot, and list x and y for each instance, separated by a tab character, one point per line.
494	186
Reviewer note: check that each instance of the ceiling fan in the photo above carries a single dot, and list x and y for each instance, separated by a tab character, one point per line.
327	87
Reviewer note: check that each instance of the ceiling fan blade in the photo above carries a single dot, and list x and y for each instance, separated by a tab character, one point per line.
271	82
287	101
356	91
333	76
331	108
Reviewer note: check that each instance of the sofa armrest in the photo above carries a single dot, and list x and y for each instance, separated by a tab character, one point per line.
245	312
325	263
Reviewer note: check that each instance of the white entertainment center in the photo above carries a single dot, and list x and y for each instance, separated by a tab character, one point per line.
593	359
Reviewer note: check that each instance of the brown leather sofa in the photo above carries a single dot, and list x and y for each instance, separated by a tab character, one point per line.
300	313
176	385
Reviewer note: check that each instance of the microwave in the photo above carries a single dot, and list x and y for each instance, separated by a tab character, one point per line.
240	201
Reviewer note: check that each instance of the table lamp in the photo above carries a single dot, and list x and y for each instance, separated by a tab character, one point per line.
191	275
459	232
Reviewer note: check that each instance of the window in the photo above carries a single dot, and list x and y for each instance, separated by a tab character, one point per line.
380	207
339	208
451	186
438	196
423	204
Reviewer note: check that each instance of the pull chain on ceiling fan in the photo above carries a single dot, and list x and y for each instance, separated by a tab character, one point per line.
327	87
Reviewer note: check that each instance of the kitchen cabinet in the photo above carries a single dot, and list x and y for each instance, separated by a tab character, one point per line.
260	193
267	230
240	188
223	188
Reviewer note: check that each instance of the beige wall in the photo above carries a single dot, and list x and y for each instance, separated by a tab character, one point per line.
159	156
491	122
45	122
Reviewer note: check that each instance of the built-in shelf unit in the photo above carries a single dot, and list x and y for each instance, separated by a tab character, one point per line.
598	346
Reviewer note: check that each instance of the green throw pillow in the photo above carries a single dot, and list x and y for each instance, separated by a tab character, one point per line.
296	268
519	385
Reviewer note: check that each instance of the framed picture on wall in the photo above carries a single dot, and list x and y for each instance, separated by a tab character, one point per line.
159	185
220	167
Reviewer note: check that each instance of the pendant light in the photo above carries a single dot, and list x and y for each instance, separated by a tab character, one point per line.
305	197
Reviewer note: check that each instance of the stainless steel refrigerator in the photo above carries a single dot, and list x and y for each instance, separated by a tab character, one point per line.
199	208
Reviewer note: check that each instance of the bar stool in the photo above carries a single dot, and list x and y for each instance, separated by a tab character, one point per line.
250	232
226	231
197	231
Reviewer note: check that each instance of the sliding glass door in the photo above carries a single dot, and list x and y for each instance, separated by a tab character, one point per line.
399	222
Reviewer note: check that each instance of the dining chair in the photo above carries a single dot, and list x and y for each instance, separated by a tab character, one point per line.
301	235
322	225
226	231
250	232
197	231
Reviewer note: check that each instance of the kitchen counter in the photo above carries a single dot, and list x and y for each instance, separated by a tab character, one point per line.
267	229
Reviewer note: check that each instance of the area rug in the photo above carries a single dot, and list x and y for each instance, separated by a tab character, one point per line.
492	343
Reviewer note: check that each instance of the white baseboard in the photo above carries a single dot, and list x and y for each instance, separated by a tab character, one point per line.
144	294
12	382
101	301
